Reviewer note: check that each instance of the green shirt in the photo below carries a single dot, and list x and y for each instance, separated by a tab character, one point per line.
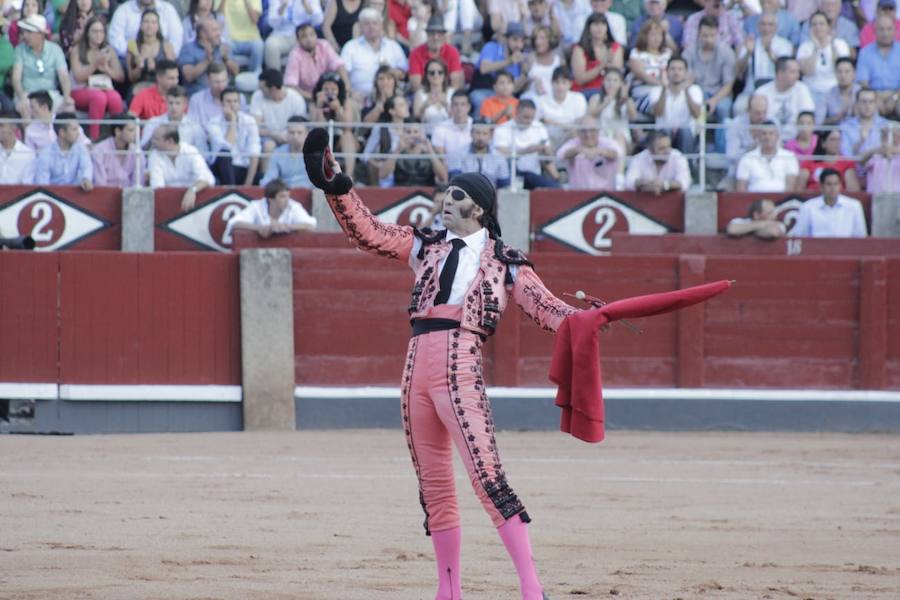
7	58
39	72
630	9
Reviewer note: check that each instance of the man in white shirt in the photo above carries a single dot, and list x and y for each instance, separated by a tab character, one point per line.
189	130
177	164
234	138
658	169
284	17
275	213
532	142
762	222
831	215
455	134
126	22
206	104
272	105
561	108
677	105
16	159
757	57
768	167
787	96
363	55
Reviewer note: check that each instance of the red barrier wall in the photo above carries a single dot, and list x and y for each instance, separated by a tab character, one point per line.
736	204
116	318
829	323
624	244
583	221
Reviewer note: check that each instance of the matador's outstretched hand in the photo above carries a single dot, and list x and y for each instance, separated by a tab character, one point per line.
321	166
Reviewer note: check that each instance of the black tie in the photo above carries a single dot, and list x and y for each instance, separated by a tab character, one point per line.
448	274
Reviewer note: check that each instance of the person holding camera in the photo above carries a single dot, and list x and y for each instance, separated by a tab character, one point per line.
417	170
331	103
591	159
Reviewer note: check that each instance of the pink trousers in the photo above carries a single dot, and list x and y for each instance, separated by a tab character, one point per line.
444	404
97	102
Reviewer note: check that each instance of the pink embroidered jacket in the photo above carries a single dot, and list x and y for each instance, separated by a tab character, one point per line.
486	298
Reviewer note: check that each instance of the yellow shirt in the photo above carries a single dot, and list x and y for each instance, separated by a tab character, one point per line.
237	19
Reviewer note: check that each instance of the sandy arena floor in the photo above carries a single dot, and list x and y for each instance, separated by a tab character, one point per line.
335	516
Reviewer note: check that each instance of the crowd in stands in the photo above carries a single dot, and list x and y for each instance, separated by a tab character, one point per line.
599	94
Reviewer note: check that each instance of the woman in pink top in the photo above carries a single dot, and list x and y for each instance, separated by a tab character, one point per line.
805	143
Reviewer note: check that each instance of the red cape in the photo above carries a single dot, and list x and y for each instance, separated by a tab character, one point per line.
575	367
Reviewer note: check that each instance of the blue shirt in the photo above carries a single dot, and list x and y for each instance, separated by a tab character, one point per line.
191	54
288	167
850	135
495	52
55	167
881	72
787	26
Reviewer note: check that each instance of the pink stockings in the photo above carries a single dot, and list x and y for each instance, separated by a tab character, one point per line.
447	545
97	102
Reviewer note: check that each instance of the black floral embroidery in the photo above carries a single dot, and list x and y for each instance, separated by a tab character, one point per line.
352	214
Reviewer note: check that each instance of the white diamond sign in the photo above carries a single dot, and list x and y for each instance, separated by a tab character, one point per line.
587	227
205	225
54	223
786	212
413	210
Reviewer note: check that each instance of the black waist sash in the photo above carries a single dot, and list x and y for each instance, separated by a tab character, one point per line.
420	326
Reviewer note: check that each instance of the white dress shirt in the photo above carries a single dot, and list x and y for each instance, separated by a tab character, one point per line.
767	174
257	213
843	220
362	61
536	133
187	168
126	22
189	131
17	164
246	144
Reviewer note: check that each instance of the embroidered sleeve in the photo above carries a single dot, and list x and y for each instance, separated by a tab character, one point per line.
537	301
369	233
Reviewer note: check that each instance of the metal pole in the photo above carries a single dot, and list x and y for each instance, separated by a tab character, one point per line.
702	166
139	158
513	178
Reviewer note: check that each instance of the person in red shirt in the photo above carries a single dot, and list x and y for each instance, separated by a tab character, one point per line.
435	48
827	156
151	102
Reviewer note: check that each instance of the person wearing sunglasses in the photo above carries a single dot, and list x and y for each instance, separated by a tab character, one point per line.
464	277
435	48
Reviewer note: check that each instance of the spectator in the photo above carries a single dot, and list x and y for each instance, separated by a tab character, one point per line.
414	169
647	64
40	65
596	51
464	16
758	57
76	16
742	131
7	59
678	105
655	10
618	27
274	214
114	158
386	85
418	20
381	7
500	107
434	221
95	69
843	27
16	159
887	8
399	13
883	167
206	104
613	109
284	16
384	138
712	64
197	56
532	147
787	96
431	103
455	134
29	8
333	104
545	60
340	17
126	22
241	22
200	10
571	15
841	99
562	108
786	24
503	55
146	51
287	162
479	158
831	215
234	139
827	156
761	222
363	55
435	49
591	160
860	134
768	167
817	57
730	31
540	15
272	105
504	12
151	102
877	65
39	132
309	60
66	160
173	163
659	168
189	130
804	143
